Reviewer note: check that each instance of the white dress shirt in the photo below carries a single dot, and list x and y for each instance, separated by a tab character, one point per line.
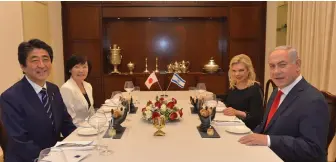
285	92
37	87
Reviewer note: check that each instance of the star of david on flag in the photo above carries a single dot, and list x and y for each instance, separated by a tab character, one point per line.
151	80
178	80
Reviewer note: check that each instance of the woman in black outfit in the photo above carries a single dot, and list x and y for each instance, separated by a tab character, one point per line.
245	96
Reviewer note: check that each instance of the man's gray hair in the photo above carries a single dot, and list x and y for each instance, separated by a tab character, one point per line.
292	52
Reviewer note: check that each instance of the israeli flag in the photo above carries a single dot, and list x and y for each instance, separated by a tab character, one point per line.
178	80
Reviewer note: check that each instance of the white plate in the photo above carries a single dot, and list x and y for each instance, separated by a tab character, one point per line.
87	131
238	129
85	124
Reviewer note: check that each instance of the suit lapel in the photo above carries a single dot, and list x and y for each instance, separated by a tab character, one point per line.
32	98
291	96
77	91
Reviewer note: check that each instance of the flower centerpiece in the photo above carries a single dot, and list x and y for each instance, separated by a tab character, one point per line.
162	107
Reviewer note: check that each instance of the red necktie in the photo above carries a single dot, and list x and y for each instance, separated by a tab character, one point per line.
274	107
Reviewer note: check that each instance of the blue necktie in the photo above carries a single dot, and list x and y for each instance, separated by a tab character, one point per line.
47	105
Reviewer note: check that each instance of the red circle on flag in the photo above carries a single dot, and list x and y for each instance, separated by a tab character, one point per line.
150	80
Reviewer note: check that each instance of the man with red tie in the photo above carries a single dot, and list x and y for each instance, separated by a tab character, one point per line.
295	124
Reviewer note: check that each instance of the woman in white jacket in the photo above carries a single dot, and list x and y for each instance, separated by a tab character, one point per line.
77	93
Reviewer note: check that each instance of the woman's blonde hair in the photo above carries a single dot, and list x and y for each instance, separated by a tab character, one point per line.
242	58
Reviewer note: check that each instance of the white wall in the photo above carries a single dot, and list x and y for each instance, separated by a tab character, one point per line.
271	25
18	24
11	35
56	36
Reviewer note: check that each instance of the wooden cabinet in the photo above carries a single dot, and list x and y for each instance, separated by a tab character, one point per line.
171	31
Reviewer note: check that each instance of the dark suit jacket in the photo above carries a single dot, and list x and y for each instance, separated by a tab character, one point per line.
298	130
28	127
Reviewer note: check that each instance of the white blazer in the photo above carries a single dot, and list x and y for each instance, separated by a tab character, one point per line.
75	101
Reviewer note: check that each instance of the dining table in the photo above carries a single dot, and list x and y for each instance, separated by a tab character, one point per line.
182	141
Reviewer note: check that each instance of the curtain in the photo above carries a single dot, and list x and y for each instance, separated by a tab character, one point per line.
312	31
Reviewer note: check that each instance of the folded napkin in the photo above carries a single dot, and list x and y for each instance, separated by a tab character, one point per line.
75	145
68	155
111	103
220	106
228	123
223	120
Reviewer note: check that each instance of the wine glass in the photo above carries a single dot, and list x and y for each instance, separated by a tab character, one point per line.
192	90
201	88
136	88
211	102
51	154
129	87
98	121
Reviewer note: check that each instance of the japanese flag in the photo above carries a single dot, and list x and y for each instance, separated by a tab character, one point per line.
151	80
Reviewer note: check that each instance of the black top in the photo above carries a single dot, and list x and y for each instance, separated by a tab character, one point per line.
248	100
87	99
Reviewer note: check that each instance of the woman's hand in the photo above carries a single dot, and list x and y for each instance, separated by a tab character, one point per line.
230	111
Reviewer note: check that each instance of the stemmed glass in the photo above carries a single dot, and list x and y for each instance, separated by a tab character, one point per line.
51	154
211	101
137	89
129	87
98	121
201	88
192	90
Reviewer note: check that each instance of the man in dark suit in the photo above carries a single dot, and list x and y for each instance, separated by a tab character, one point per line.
295	124
33	112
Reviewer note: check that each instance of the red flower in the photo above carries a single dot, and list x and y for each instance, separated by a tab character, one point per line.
174	100
170	105
158	104
173	116
143	109
180	112
155	115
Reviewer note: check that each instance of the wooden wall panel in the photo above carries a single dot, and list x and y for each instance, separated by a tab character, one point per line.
217	84
113	12
245	22
193	40
247	35
97	90
115	84
83	22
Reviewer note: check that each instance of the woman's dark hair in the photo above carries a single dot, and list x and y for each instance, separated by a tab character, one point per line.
26	47
73	61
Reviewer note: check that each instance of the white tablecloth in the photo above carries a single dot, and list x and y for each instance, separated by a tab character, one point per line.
181	143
